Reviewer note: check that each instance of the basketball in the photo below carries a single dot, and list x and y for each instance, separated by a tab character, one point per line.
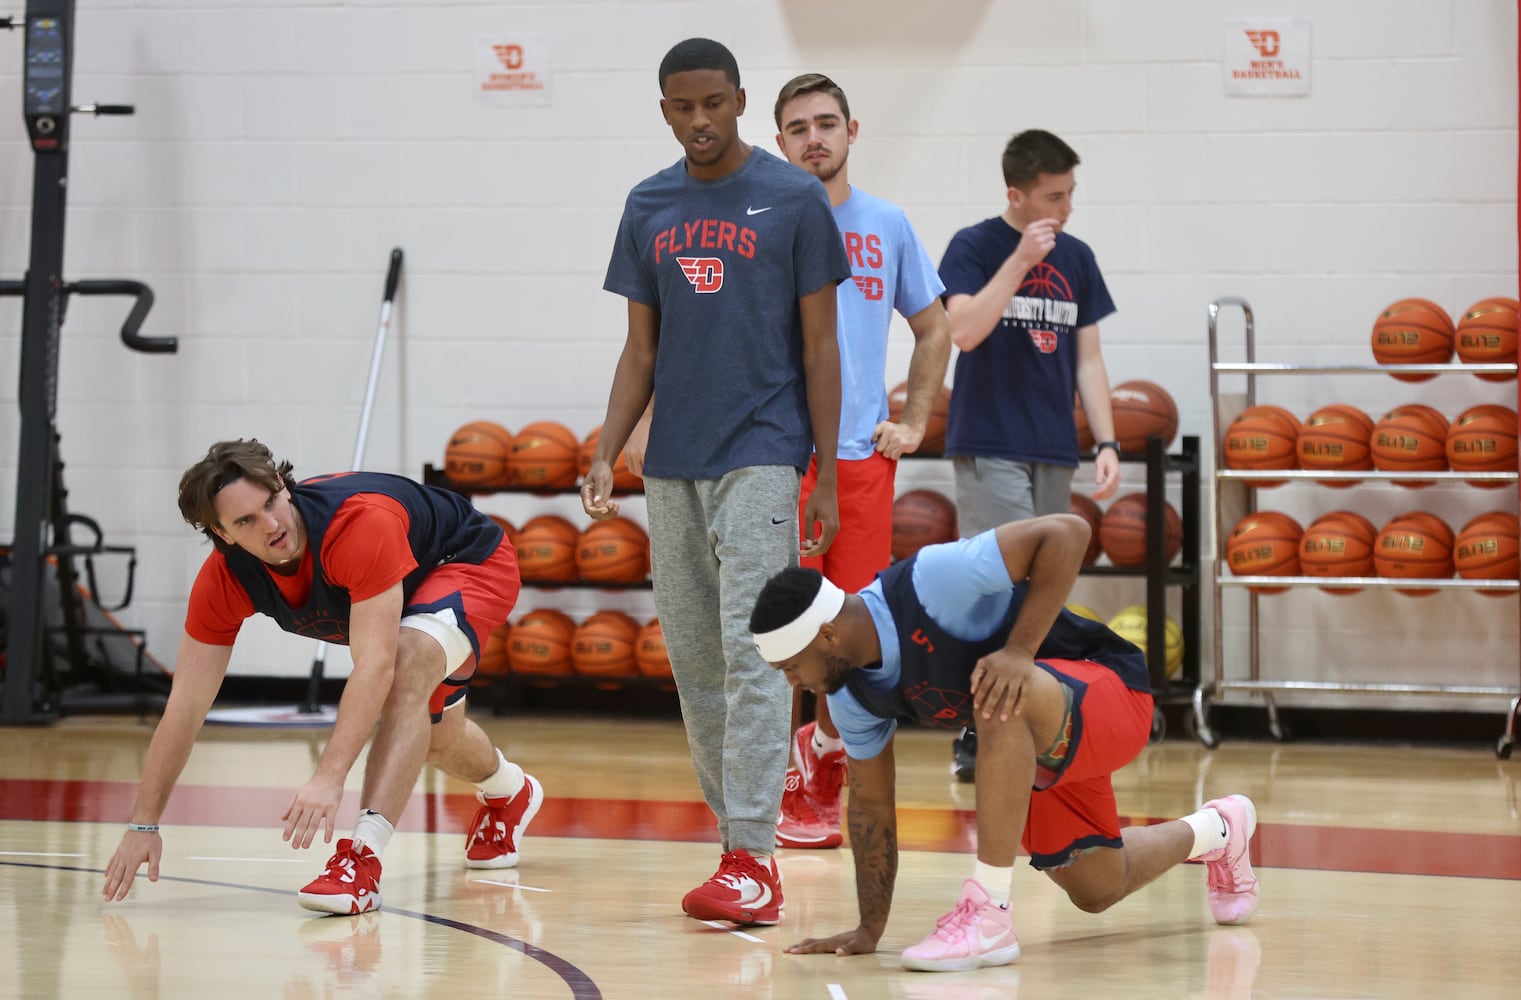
1264	544
1122	533
1483	439
1338	544
603	645
1142	409
547	549
613	551
493	659
477	455
544	456
1411	547
649	651
1083	611
1413	332
540	643
1486	549
1410	438
920	518
1336	437
1487	335
624	481
507	529
1085	508
1130	624
1262	437
933	442
1085	440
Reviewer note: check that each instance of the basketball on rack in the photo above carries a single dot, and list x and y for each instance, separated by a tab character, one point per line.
1487	335
1483	439
1262	437
624	481
540	643
547	550
1414	545
1085	508
1336	437
603	645
493	659
1264	544
649	651
544	456
1083	611
477	455
613	551
1338	544
1130	624
933	442
1486	549
1122	533
508	529
1142	409
1413	332
1085	440
1410	438
920	518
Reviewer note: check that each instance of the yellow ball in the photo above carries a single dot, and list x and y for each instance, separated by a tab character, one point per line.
1131	624
1083	610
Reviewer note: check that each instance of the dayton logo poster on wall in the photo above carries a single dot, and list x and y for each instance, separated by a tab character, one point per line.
512	70
1267	57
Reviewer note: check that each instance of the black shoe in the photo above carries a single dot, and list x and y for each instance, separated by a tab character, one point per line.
964	756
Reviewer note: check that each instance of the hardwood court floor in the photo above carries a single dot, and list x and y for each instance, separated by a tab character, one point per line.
1386	872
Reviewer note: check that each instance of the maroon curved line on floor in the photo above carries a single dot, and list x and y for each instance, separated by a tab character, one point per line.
1276	845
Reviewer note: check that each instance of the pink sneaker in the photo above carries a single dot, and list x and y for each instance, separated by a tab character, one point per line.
1232	886
349	884
823	777
742	891
974	935
800	824
496	833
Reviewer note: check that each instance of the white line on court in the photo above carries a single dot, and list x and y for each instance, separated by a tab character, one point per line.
276	861
37	854
727	928
509	885
836	992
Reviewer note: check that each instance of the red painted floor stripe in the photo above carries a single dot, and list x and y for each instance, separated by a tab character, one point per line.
1277	845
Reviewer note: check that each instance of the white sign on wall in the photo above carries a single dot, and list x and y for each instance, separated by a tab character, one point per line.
513	70
1267	57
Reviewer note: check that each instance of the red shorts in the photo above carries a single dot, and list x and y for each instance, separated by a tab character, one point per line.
1110	726
481	595
864	546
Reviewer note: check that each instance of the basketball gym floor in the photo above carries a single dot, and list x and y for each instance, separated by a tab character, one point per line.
1385	872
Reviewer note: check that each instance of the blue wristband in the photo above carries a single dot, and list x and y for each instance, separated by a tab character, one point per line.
143	828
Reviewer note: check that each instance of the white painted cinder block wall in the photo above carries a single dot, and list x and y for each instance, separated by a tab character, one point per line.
282	148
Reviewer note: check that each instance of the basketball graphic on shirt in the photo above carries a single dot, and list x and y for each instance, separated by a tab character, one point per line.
942	708
1047	282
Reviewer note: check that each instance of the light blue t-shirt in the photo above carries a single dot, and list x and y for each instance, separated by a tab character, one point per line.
890	270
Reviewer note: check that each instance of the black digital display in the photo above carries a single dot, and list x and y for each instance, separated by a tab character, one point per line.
44	75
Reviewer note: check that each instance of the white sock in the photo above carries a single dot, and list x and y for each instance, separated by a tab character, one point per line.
1210	831
503	783
997	881
374	831
824	743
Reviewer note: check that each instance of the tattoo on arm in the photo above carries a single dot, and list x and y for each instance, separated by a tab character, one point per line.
874	842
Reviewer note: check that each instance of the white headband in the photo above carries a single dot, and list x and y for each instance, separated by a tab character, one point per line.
791	639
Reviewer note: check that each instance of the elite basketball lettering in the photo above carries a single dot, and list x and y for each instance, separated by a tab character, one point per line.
864	250
705	273
705	234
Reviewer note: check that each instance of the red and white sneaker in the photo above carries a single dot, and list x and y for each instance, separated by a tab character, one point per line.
1232	885
349	884
800	824
823	776
974	935
742	891
496	833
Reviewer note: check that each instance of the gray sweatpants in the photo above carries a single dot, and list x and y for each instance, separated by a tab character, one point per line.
994	491
713	545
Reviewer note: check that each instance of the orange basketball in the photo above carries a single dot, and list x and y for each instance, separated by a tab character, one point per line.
1413	332
508	529
547	549
1262	437
649	651
493	659
478	455
1142	409
1483	439
603	645
1085	508
933	442
1487	335
544	455
1122	533
613	551
920	518
1410	438
540	643
1338	544
1411	546
1336	437
623	480
1486	549
1264	544
1085	440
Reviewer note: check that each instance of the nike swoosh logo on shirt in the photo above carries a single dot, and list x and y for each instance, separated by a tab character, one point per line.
757	211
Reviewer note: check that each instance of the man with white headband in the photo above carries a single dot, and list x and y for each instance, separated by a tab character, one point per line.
977	627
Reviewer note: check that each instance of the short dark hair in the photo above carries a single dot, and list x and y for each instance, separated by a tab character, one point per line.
226	462
784	597
1034	152
699	53
809	83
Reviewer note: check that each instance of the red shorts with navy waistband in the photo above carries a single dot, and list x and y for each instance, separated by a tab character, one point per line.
1110	726
864	544
481	595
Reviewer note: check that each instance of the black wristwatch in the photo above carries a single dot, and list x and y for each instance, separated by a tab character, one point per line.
1106	444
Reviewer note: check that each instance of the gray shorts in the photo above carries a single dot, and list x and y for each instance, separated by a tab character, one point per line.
993	491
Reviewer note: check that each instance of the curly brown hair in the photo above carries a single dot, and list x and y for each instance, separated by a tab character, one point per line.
227	462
